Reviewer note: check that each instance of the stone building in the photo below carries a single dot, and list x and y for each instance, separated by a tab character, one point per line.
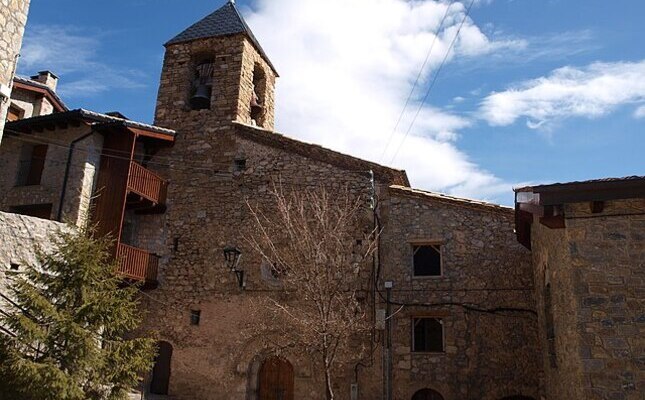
475	315
217	92
588	245
13	17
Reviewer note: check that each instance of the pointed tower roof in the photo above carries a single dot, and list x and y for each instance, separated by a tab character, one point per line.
225	21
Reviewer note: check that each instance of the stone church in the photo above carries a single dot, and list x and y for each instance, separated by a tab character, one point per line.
471	322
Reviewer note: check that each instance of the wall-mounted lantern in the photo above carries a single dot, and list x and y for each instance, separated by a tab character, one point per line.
232	256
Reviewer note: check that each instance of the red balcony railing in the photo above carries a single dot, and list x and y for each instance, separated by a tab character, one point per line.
137	264
146	183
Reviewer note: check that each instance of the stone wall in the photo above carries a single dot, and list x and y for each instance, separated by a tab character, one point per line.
13	17
233	59
20	236
82	172
595	267
488	354
32	104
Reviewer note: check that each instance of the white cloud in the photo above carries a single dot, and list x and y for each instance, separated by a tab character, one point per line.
346	69
640	112
72	54
591	91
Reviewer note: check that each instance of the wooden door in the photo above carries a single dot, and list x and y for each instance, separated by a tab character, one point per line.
427	394
276	379
161	370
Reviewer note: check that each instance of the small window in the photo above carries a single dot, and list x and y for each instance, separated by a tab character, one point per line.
427	335
427	260
43	211
14	266
195	316
14	113
239	164
32	163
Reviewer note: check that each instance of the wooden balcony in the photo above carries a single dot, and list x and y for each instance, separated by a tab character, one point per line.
146	190
137	264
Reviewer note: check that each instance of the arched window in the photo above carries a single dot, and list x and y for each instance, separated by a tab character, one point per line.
427	394
258	96
202	85
161	370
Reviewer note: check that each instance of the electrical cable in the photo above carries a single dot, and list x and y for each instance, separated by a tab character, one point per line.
416	81
434	80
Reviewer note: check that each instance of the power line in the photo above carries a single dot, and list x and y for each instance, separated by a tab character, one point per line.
416	81
434	80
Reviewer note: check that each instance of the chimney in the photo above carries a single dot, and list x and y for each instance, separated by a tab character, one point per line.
47	78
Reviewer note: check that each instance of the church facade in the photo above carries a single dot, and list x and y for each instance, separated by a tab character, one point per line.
470	316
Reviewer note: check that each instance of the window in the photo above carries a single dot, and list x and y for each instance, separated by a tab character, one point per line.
427	335
14	113
32	163
239	164
427	260
195	316
258	96
43	211
202	87
14	266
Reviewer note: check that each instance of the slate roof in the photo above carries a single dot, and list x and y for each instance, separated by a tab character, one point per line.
226	20
44	88
577	184
90	116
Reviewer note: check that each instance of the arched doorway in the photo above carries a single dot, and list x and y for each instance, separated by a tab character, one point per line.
518	398
161	370
427	394
276	379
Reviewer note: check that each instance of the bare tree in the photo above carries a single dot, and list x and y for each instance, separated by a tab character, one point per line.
318	245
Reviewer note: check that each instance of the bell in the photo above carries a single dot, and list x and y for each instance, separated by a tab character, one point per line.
202	98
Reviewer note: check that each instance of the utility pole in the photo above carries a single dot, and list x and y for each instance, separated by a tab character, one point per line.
387	354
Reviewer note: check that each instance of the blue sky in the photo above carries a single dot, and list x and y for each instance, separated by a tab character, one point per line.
532	92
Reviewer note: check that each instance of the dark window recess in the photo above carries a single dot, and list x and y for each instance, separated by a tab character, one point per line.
32	163
43	211
427	260
195	316
202	87
427	335
175	244
239	164
550	326
14	266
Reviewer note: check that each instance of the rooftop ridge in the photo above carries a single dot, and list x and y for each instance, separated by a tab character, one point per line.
449	198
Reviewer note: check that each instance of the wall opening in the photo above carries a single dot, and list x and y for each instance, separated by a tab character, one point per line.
427	335
161	370
258	96
426	260
202	85
427	394
276	379
32	164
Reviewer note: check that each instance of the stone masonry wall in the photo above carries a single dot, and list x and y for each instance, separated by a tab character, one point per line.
82	172
13	17
488	355
207	212
19	237
596	267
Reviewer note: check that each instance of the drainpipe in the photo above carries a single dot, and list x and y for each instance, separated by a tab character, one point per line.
59	217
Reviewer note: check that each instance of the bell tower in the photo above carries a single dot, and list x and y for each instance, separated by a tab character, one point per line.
215	72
